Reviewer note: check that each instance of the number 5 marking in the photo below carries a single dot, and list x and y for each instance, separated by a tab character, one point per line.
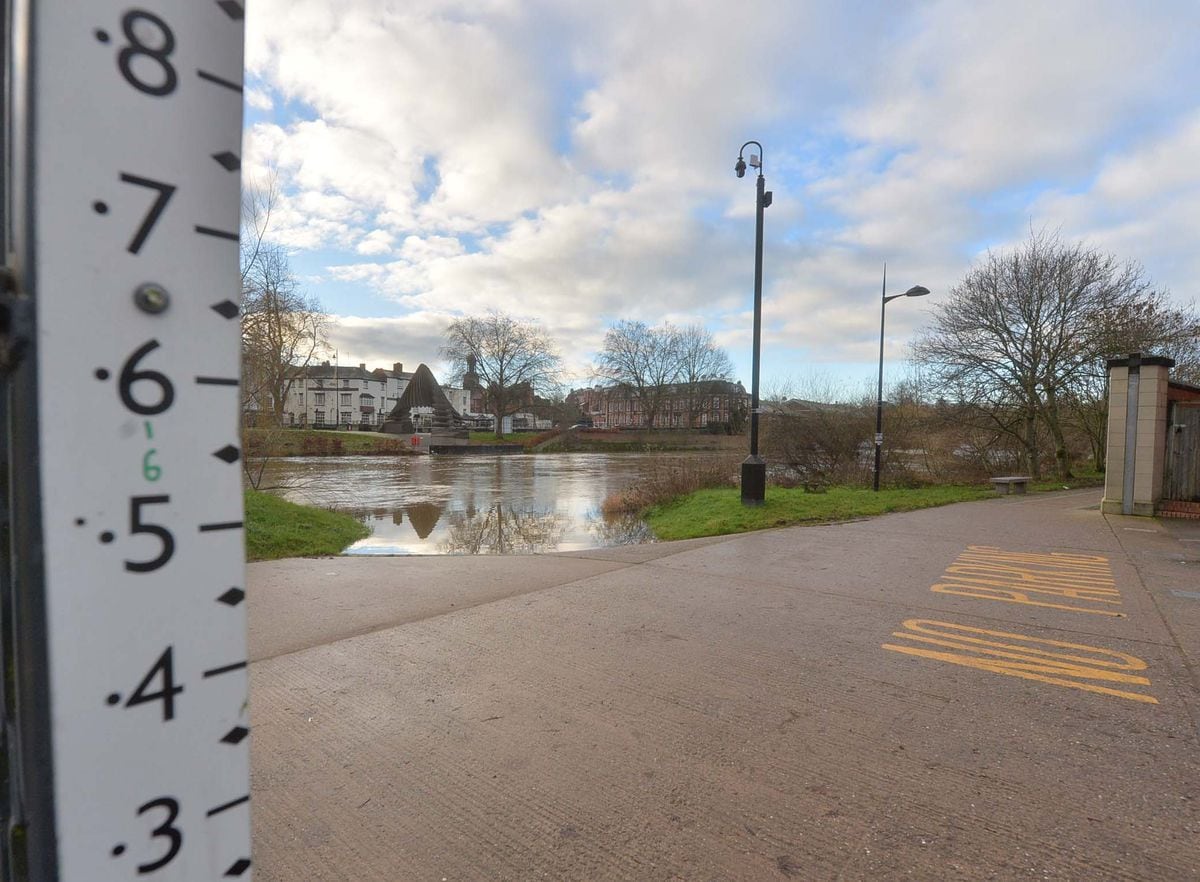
160	203
136	527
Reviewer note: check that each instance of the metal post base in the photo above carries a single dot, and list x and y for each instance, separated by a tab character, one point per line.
754	480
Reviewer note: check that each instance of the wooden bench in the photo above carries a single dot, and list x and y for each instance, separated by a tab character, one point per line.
1013	484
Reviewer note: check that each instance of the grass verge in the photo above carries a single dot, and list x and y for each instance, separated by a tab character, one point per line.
277	528
320	442
524	439
1084	478
719	511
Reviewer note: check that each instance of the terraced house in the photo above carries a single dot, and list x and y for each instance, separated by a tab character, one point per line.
701	405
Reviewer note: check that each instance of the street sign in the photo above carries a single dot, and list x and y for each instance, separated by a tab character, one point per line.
126	146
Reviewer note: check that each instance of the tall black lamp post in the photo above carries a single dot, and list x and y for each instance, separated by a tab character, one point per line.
754	468
914	291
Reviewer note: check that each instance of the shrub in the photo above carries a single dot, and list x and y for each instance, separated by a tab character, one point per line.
670	478
541	437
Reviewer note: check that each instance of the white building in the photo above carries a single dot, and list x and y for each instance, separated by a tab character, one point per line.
329	396
460	399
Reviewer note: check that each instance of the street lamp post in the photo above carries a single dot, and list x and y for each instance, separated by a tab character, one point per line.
914	291
754	467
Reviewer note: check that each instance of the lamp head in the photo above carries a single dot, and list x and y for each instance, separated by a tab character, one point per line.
916	291
740	167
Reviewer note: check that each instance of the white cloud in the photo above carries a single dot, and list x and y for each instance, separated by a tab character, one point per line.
380	342
375	242
1144	204
259	99
573	162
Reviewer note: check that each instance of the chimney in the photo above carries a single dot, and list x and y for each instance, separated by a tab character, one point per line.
362	367
325	364
398	367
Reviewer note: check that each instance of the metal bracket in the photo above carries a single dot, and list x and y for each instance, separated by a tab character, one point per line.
16	322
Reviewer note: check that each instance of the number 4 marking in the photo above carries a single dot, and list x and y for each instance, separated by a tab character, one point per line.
160	203
166	694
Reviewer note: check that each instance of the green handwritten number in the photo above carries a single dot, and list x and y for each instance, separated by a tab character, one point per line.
150	471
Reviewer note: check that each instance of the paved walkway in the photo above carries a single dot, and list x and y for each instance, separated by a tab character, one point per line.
1007	689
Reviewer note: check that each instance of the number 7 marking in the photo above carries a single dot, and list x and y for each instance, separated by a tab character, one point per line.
160	203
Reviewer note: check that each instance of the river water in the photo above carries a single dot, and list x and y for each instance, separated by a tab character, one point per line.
489	504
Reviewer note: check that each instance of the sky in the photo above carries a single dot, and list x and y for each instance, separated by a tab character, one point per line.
571	162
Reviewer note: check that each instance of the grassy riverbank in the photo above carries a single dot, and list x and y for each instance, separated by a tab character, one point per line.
719	511
640	441
276	528
315	442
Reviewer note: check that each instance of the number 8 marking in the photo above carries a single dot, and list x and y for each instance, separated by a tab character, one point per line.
136	47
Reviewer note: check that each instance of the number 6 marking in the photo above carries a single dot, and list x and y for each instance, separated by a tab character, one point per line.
150	471
130	375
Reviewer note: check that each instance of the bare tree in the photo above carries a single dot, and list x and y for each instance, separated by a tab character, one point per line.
258	204
645	360
513	360
703	367
811	429
283	330
1150	324
1020	334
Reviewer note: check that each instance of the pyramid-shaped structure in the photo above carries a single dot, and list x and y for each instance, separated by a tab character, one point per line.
423	390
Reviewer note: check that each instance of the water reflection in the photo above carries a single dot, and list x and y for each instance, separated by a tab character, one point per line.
620	530
503	530
472	504
423	516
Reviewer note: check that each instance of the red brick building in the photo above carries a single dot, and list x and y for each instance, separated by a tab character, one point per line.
680	406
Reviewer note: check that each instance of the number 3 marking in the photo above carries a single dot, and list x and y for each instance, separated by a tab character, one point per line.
166	828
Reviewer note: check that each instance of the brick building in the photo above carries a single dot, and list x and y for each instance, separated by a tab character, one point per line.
681	405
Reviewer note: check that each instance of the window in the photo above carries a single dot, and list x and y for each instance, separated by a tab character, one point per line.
345	416
345	399
319	398
318	416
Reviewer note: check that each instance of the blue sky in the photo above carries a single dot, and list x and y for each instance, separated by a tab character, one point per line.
572	162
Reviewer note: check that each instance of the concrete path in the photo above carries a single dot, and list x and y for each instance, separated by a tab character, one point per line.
1007	689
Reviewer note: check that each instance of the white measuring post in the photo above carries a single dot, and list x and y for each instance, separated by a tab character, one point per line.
125	182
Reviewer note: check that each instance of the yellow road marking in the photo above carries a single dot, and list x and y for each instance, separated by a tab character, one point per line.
1019	655
1045	580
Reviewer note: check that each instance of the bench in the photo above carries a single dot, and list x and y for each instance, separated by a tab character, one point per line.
1012	484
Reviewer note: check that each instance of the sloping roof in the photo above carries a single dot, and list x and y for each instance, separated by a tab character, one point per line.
347	372
423	390
343	372
701	387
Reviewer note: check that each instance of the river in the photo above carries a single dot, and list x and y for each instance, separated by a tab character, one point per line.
488	504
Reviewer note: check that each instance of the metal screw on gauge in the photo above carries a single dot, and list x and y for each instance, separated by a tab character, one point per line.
151	298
